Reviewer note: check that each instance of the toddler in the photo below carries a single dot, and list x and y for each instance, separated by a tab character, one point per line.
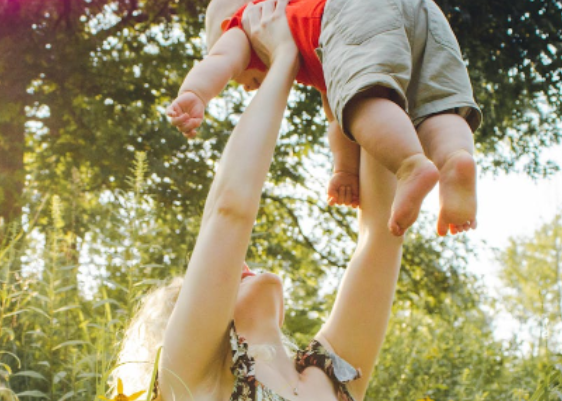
392	79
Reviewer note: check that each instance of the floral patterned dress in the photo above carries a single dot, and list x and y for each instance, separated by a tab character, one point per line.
247	388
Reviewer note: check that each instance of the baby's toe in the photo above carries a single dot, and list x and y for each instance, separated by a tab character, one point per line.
453	229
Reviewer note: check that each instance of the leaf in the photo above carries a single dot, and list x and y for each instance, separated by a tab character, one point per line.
67	395
70	267
147	282
33	393
12	355
88	375
40	311
7	367
154	372
8	330
152	266
66	308
64	289
106	301
30	373
15	313
9	392
70	343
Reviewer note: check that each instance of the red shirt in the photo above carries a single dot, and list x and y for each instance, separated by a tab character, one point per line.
305	19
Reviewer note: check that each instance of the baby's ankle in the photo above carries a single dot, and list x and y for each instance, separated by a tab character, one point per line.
460	155
412	163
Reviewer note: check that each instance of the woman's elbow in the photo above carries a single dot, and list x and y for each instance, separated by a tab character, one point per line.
229	204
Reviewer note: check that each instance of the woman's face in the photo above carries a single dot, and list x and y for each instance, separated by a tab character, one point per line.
260	296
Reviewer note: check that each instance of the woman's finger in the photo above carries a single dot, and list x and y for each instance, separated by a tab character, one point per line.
251	17
268	9
280	7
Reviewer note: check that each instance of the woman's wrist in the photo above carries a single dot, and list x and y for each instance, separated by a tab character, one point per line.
286	60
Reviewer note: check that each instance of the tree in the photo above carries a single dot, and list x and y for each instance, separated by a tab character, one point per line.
86	81
532	274
513	53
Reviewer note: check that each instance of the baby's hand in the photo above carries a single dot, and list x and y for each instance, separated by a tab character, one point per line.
186	113
343	189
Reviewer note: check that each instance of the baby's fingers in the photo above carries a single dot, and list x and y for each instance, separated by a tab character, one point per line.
185	124
189	135
179	120
174	110
341	195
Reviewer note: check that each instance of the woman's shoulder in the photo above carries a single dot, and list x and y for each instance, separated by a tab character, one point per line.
216	385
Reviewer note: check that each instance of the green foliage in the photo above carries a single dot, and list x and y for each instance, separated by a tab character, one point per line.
513	52
532	275
88	82
550	386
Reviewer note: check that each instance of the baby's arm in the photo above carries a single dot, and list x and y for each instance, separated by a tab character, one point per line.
228	58
344	184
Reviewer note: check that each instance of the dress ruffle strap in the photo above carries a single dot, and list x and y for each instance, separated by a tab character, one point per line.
242	365
336	368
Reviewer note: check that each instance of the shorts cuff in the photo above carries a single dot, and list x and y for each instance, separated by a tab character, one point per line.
467	109
365	83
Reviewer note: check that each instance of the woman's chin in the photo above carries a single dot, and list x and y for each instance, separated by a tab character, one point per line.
259	291
262	279
270	278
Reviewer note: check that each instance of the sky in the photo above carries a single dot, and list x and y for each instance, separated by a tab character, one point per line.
508	206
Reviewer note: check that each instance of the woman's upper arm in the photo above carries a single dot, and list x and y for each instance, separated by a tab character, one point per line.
193	343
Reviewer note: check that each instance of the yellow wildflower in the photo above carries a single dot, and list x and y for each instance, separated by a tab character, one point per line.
425	399
122	397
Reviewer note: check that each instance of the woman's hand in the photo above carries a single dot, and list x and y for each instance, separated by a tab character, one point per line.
267	27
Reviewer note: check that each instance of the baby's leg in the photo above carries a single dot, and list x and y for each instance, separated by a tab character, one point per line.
447	140
385	131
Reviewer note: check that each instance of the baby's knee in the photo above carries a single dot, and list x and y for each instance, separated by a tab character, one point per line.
363	113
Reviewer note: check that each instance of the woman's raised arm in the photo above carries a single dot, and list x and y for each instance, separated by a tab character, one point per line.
205	307
357	324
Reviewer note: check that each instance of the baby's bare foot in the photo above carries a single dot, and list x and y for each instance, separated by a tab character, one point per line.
416	177
457	194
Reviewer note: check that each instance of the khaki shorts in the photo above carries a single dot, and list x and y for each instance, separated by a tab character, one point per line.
405	45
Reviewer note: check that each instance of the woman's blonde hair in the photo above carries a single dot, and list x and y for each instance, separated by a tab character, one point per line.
145	335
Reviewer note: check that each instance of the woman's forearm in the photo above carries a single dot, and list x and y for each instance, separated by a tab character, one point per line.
247	157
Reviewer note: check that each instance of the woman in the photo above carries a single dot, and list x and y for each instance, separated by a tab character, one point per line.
223	308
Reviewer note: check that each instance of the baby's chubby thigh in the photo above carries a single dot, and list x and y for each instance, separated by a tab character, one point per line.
364	46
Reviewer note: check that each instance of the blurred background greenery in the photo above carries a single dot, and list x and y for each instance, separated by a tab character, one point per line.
100	199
